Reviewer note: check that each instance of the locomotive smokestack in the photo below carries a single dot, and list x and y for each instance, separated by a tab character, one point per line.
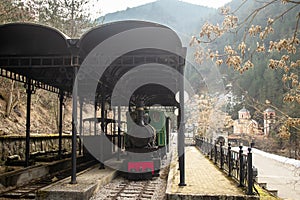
140	134
140	113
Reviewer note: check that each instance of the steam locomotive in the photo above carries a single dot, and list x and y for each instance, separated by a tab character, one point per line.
145	143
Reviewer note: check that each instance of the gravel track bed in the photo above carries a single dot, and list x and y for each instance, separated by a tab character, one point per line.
123	189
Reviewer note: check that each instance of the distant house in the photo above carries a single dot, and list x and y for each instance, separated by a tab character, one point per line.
244	125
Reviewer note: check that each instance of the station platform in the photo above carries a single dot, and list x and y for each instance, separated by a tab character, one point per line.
88	182
204	181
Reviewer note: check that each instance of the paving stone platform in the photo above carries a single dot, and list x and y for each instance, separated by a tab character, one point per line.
88	183
203	180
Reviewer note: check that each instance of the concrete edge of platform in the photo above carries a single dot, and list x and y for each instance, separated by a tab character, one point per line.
17	178
171	175
209	197
84	192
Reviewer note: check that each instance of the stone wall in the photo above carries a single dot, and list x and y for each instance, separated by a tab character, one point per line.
15	145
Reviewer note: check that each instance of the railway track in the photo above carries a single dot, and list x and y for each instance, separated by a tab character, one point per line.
131	190
29	190
122	189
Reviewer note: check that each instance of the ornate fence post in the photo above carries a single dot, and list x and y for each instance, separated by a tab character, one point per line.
241	176
229	159
221	156
216	152
211	149
202	143
250	172
206	147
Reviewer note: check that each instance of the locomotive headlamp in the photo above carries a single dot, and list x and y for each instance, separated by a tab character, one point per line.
176	111
186	97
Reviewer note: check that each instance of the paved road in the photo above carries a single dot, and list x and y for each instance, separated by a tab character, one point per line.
278	176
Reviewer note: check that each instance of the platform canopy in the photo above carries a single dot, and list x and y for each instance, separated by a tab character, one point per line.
37	52
131	48
48	58
116	63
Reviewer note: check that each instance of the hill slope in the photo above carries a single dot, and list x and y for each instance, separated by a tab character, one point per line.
185	18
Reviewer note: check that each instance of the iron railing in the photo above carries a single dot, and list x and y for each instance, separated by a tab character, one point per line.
237	164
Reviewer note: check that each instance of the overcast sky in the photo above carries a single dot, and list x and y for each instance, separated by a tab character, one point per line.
110	6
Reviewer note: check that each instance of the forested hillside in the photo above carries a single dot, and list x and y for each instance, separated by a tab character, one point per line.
260	82
256	46
185	18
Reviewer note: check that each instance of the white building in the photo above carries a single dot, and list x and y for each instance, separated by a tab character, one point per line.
269	120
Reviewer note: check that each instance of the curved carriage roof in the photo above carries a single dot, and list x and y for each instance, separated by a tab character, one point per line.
48	57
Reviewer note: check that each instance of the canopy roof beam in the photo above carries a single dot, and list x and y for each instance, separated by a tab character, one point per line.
22	79
39	61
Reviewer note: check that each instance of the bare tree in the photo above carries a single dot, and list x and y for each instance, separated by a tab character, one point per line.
252	40
256	28
69	16
16	10
11	11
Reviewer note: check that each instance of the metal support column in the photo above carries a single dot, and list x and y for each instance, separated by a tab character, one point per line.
113	128
102	129
105	127
181	129
178	137
119	132
178	147
60	119
95	117
80	126
74	127
168	131
29	89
